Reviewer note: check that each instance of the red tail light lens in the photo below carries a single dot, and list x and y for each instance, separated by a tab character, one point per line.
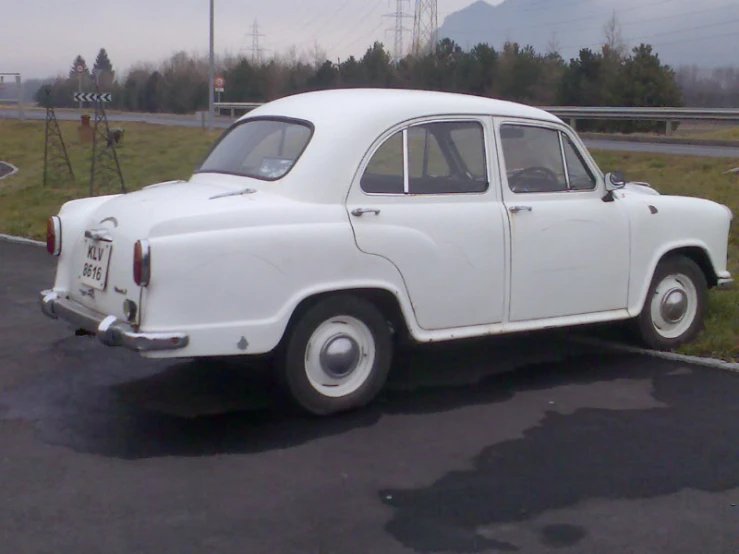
141	263
54	235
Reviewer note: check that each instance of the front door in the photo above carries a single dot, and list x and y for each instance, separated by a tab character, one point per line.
569	247
424	202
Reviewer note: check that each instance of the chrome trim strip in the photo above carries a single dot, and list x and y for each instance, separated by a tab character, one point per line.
99	234
108	329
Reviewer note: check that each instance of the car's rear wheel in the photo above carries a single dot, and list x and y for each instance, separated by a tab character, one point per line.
675	306
337	355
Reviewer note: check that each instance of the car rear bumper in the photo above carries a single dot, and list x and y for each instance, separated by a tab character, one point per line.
109	330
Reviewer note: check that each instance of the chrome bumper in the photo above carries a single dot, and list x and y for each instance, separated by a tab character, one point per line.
724	284
108	329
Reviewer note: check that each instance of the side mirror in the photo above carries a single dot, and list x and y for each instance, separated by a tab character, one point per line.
615	180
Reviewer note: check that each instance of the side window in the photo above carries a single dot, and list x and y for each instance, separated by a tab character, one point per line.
579	174
471	145
425	158
533	159
447	158
384	173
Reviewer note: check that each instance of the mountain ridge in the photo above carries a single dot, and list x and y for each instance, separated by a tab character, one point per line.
682	32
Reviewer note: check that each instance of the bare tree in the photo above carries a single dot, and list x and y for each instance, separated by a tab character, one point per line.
614	40
554	47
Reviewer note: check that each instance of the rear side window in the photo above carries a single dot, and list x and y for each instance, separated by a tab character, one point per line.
442	158
384	173
261	148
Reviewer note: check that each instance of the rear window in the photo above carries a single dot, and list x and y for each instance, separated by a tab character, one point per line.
264	149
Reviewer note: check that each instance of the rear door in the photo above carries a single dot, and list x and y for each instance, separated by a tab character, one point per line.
427	201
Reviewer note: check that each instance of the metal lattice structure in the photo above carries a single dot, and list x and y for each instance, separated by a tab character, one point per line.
105	169
399	15
57	167
256	48
425	27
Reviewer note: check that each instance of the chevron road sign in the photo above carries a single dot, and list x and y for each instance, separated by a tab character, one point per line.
92	97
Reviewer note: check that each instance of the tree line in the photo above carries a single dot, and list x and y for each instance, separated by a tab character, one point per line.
610	75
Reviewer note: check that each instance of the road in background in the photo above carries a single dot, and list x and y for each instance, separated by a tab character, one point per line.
222	122
530	443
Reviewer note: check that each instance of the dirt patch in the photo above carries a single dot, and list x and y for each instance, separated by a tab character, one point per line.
7	169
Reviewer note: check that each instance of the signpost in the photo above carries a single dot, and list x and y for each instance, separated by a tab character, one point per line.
220	84
19	91
80	69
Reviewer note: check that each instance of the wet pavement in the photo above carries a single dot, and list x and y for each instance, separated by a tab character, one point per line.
532	443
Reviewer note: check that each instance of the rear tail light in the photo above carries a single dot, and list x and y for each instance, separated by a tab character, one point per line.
141	263
54	235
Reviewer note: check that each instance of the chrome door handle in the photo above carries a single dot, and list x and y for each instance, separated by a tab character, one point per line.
361	211
516	209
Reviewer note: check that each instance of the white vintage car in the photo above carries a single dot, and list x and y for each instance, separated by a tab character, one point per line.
323	228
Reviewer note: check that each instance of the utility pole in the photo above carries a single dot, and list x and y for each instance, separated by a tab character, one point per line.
399	15
425	27
211	70
256	49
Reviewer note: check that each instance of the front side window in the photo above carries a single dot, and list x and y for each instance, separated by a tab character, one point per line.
442	158
261	148
538	159
579	174
533	159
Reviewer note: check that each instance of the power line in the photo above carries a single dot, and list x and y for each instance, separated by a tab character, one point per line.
372	32
486	29
365	15
674	31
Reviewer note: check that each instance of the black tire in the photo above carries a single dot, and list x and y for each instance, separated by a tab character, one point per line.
293	368
644	325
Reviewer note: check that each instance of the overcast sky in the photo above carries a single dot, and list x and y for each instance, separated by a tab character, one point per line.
41	37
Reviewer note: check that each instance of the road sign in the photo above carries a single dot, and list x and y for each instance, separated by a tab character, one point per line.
79	68
92	97
220	83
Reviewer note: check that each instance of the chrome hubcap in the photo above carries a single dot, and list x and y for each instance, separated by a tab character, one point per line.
340	356
674	305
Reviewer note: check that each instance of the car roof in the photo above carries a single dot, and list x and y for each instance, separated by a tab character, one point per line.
387	107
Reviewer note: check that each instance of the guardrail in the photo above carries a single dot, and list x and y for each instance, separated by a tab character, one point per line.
669	115
233	106
574	113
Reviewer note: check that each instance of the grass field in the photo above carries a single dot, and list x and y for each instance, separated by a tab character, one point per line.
152	153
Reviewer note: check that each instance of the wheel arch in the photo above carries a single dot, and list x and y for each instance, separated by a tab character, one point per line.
698	253
385	300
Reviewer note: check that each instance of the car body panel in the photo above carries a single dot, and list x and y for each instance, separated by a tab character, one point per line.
233	257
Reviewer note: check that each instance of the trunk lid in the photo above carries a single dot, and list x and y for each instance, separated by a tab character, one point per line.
101	268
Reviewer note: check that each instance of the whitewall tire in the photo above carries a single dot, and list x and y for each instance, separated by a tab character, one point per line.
337	355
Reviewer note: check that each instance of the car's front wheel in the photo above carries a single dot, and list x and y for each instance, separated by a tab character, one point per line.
676	304
337	355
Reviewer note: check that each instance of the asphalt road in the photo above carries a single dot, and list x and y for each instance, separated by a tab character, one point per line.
525	444
223	122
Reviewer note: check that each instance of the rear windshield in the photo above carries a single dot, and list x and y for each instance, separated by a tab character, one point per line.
265	149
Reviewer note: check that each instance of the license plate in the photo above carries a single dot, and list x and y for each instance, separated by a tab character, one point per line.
95	264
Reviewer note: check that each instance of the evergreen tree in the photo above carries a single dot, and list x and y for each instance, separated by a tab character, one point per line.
102	61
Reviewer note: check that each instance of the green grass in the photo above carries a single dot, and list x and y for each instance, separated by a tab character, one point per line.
723	134
701	177
152	153
148	154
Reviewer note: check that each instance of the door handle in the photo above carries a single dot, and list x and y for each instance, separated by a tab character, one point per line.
359	212
516	209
